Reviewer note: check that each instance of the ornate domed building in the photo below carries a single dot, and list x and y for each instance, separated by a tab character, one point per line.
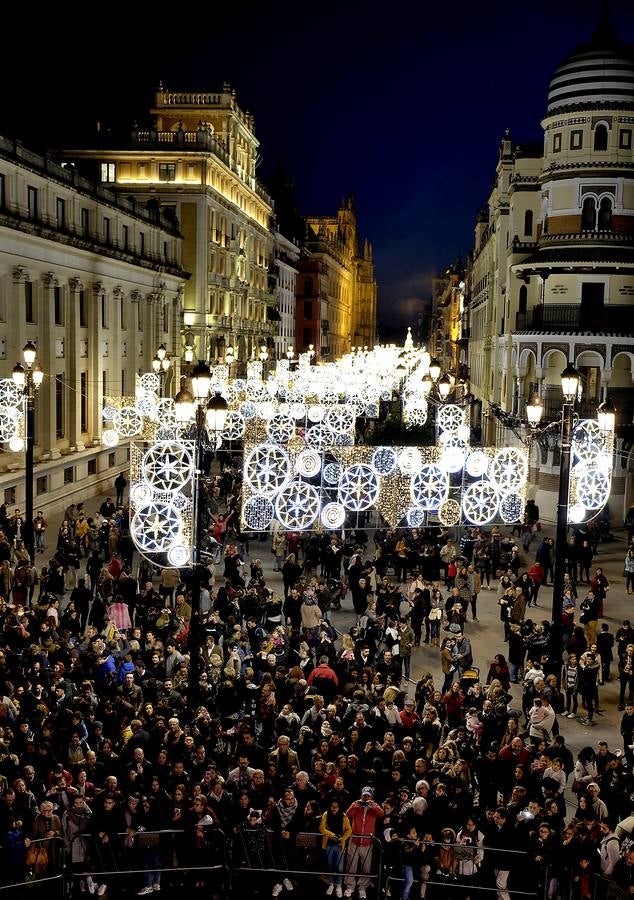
552	278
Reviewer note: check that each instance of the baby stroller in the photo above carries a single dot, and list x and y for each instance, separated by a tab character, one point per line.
469	677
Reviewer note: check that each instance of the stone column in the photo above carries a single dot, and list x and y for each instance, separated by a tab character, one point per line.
98	357
46	352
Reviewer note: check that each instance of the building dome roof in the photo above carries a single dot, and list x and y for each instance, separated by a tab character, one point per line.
600	72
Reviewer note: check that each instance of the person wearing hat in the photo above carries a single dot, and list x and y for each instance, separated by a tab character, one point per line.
363	815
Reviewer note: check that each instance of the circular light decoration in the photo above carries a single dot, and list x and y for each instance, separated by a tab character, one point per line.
165	434
308	463
450	417
386	395
168	466
588	441
256	391
179	500
258	513
298	410
266	410
165	412
267	469
449	513
141	493
297	506
178	556
146	406
155	527
238	383
150	382
7	424
316	412
477	463
344	440
110	437
593	488
10	393
16	444
248	409
320	436
385	460
410	461
415	517
429	488
127	421
281	429
107	413
333	515
371	411
453	455
357	406
508	470
234	426
229	392
358	487
480	502
463	432
511	508
416	416
340	419
576	513
332	473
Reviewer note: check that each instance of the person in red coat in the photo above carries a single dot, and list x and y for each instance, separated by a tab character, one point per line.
363	815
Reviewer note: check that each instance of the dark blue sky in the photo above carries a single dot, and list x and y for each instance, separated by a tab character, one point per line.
402	103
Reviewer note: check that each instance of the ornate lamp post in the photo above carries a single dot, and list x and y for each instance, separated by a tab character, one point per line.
570	386
29	377
206	416
160	366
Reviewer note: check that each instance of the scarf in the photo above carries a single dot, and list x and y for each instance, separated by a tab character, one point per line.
286	812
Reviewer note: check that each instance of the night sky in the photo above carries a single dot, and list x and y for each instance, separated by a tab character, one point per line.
401	103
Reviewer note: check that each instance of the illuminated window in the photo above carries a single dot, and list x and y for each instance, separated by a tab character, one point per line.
557	143
108	172
167	171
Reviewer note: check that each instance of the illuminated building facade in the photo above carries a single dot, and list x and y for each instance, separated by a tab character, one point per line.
342	305
95	281
552	278
199	160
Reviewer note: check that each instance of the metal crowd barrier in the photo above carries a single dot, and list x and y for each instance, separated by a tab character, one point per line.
461	870
192	856
302	857
37	866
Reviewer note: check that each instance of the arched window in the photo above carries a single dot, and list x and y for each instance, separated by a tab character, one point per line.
523	298
605	214
601	137
528	223
589	214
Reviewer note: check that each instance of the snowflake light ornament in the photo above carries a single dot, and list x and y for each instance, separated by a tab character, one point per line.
297	506
267	469
358	487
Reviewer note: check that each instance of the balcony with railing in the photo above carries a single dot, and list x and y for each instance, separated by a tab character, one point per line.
562	318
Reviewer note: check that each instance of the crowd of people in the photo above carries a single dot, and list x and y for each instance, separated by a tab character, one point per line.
305	746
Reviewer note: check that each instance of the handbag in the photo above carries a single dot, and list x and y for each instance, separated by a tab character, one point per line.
37	857
576	786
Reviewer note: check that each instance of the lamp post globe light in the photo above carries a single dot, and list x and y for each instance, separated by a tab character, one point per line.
205	416
28	378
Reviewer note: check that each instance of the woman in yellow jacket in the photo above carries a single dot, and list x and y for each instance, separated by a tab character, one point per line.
336	829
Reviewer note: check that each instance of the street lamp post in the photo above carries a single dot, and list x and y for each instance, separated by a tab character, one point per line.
534	409
206	415
29	377
160	366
